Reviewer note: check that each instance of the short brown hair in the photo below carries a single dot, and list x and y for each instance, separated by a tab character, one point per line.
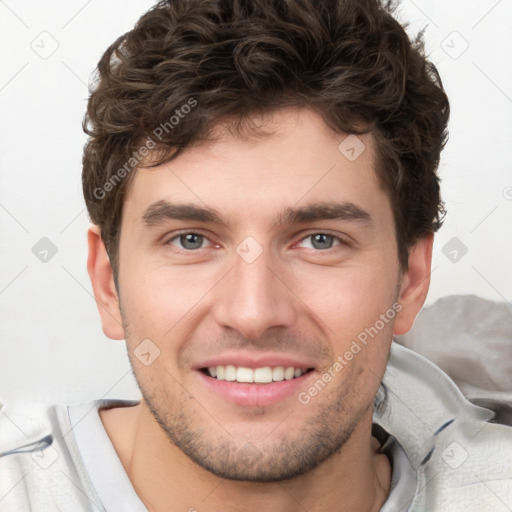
189	63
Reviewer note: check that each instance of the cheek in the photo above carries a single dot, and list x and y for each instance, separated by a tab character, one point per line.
355	309
348	300
158	299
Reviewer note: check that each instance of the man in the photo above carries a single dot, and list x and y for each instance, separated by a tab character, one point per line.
261	178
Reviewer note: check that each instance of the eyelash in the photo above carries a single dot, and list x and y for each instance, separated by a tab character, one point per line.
341	241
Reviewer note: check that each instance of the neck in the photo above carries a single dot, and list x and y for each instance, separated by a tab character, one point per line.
356	478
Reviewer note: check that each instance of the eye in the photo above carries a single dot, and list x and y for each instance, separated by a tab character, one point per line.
322	241
188	241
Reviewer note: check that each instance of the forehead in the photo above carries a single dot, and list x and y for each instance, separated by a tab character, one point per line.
299	160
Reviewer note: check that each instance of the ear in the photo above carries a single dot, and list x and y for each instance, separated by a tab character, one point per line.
102	279
415	284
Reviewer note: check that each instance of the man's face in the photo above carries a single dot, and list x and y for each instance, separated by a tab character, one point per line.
272	284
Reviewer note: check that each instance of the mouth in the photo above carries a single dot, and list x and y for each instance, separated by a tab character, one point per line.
261	375
256	387
254	380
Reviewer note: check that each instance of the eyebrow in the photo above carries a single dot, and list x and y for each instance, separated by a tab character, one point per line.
162	211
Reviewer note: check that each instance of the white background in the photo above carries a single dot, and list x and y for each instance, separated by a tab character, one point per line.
52	348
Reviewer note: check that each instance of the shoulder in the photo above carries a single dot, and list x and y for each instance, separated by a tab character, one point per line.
470	466
463	461
40	467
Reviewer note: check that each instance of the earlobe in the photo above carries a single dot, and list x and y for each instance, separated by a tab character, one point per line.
415	284
102	279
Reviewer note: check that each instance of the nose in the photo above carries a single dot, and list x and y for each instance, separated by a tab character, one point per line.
254	297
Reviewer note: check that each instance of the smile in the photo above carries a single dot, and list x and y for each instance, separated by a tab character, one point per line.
263	375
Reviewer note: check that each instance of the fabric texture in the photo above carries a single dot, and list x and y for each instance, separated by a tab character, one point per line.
470	339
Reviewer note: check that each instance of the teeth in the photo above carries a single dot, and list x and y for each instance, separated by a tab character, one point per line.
278	374
244	374
262	375
230	374
289	373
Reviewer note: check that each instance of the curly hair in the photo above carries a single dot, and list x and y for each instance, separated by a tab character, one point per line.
188	64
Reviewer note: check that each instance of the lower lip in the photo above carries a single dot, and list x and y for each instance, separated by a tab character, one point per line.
256	395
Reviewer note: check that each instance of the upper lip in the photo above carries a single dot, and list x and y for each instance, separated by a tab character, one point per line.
255	361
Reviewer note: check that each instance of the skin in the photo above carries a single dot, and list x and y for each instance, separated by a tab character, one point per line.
205	452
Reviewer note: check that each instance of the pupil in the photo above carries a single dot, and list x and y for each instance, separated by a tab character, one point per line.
191	241
320	239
